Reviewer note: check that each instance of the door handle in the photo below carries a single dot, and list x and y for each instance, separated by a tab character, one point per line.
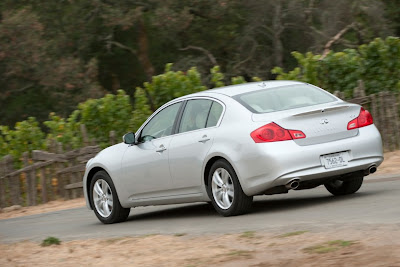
204	139
161	149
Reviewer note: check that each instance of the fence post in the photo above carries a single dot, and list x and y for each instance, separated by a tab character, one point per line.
374	109
30	182
395	121
2	184
84	135
43	183
13	181
60	177
112	137
359	91
382	121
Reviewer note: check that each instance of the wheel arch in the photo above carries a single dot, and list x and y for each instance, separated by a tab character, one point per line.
210	162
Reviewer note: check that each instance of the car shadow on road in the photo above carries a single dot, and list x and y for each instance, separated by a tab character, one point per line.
273	205
295	203
186	211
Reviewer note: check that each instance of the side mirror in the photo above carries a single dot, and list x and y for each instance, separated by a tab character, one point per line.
129	138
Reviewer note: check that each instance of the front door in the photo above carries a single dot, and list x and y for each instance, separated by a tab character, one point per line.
145	166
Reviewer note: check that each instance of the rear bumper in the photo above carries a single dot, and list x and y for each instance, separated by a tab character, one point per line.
276	163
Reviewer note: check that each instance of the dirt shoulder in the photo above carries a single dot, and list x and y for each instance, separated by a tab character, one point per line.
391	164
344	247
12	212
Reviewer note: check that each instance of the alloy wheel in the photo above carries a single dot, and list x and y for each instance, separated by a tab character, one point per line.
103	198
222	188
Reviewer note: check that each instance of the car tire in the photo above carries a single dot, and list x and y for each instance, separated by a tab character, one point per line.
104	199
225	190
345	187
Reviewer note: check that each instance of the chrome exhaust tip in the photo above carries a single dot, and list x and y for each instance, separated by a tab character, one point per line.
293	184
372	169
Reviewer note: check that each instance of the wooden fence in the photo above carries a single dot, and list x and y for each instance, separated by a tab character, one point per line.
384	108
45	176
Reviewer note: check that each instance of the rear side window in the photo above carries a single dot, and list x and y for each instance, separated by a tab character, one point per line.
195	115
199	114
215	114
283	98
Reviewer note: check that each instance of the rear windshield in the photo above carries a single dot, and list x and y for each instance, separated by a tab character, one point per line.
283	98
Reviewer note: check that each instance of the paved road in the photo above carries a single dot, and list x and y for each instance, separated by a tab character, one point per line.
316	209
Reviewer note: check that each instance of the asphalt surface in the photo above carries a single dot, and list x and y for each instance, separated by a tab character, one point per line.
376	203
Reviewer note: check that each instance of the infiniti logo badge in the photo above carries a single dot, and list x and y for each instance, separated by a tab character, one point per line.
324	121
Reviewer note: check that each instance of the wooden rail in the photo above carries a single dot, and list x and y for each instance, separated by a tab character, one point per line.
384	108
45	176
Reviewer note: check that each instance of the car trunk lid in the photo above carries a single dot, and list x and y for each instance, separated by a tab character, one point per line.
320	124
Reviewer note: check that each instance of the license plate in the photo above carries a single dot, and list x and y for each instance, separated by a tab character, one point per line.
335	160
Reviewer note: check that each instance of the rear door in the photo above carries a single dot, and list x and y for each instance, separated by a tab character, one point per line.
190	145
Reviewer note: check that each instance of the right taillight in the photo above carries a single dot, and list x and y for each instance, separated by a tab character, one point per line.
272	132
364	119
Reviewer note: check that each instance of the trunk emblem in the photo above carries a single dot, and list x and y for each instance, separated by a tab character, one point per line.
324	121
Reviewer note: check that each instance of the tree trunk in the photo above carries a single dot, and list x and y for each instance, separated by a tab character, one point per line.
143	53
277	28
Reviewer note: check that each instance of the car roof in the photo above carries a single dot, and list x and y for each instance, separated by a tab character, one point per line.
237	89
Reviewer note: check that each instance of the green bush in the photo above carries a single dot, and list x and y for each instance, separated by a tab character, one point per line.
26	136
112	112
50	241
64	131
376	63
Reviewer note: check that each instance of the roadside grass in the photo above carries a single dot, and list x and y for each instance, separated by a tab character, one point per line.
329	246
248	234
292	234
113	240
245	254
148	235
50	241
180	234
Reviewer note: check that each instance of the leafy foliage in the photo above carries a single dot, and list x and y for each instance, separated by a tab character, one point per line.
376	63
64	131
142	109
26	136
112	112
217	77
50	241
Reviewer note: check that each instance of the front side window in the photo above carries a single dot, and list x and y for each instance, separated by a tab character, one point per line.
283	98
161	124
195	115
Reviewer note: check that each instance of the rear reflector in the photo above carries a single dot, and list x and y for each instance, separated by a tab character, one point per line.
364	119
272	132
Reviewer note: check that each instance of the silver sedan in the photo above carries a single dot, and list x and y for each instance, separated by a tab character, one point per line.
229	144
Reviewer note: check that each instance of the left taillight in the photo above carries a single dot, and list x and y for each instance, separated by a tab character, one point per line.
363	119
272	132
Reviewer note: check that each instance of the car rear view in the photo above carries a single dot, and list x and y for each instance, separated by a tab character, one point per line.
306	137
